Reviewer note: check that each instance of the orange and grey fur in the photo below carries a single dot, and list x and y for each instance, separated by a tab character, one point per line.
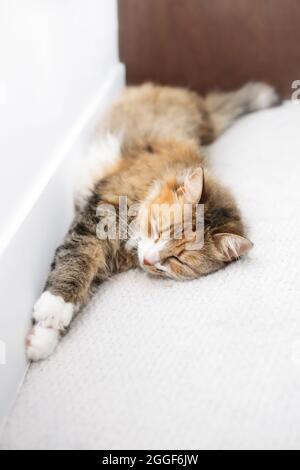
149	149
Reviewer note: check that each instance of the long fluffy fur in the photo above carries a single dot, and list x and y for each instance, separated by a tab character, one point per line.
162	132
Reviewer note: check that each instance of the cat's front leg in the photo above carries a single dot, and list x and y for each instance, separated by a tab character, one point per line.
75	266
52	315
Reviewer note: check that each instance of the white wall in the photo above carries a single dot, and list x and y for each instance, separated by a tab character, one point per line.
54	55
59	68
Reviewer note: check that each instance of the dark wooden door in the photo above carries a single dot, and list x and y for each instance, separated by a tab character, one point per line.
206	44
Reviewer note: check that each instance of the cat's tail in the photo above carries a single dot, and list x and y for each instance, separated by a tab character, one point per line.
224	108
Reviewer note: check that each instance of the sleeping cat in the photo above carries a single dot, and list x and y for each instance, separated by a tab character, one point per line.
149	150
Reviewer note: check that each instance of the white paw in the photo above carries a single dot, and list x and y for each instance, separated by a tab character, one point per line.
52	311
41	342
263	96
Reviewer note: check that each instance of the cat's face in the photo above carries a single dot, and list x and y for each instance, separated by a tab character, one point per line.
175	241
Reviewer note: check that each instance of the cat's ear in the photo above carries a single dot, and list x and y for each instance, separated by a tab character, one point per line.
193	186
231	247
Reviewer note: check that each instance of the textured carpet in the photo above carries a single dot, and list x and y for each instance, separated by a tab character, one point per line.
213	363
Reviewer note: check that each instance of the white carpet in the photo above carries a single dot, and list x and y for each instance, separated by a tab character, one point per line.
213	363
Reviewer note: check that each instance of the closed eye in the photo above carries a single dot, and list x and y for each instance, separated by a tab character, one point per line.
178	260
184	264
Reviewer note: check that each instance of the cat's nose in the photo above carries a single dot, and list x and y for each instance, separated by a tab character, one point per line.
150	258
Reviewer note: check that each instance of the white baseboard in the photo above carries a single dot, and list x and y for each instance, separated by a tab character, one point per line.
27	246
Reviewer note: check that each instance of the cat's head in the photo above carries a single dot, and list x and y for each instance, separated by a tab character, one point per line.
176	241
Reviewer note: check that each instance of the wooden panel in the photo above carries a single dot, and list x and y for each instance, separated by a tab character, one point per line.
206	44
